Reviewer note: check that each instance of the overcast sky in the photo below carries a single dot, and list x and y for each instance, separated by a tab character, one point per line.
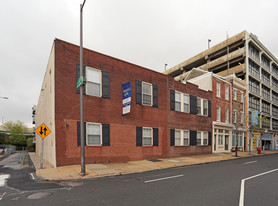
148	33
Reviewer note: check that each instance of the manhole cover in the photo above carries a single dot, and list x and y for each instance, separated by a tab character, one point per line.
39	195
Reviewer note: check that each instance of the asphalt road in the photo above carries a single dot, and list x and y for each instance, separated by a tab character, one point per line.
207	184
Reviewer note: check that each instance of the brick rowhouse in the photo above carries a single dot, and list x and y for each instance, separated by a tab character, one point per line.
122	137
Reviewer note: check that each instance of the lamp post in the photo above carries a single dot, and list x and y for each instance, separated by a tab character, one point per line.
209	43
82	140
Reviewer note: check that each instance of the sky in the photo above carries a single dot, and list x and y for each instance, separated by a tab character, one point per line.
149	33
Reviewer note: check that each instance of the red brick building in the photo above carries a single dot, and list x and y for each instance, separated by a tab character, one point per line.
165	119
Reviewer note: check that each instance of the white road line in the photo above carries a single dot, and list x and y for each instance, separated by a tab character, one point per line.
32	176
249	162
3	180
241	198
164	178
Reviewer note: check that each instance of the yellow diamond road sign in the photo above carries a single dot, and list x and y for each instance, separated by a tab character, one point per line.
43	131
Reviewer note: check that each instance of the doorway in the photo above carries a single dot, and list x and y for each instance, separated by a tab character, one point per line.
226	142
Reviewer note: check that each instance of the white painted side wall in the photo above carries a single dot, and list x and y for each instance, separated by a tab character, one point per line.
204	82
45	112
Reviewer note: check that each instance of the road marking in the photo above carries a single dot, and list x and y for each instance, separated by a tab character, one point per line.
241	198
164	178
32	176
2	196
249	162
3	180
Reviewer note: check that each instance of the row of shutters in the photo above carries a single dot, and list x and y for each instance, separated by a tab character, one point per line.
106	92
139	136
192	102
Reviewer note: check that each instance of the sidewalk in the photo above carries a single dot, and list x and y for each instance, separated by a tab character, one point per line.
110	169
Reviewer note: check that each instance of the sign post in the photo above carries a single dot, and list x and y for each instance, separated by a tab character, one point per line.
43	131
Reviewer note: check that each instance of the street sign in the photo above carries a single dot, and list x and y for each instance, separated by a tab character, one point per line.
43	131
257	134
126	97
79	82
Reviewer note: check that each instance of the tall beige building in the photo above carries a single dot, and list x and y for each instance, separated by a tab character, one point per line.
246	57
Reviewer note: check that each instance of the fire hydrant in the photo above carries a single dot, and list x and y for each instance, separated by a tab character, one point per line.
259	150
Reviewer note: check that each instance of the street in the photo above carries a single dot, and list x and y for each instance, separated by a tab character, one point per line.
217	183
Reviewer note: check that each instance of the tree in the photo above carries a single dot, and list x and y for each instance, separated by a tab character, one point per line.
30	142
17	136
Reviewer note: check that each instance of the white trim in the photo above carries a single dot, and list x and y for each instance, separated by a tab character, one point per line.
147	94
100	131
147	128
182	137
100	81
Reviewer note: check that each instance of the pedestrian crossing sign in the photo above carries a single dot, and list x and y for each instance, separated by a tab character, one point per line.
43	130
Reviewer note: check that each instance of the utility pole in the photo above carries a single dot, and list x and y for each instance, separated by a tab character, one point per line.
82	138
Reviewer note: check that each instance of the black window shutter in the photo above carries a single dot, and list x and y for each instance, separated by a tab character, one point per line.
193	104
138	136
209	108
155	136
138	92
193	138
172	137
155	95
172	100
105	84
105	135
209	138
79	134
77	77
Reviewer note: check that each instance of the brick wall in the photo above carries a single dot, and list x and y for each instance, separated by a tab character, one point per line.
109	111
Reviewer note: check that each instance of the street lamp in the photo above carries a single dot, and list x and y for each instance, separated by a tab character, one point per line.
82	139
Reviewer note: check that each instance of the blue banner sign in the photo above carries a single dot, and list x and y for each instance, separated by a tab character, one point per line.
254	117
126	97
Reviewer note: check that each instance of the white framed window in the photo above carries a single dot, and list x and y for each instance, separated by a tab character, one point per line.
235	116
202	138
205	107
199	138
205	138
186	103
186	138
93	134
147	93
218	113
93	86
181	137
235	94
241	117
199	106
147	139
227	116
177	101
218	89
227	92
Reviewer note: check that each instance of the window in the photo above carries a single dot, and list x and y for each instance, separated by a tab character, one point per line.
185	138
199	106
274	83
241	117
181	138
265	62
274	69
274	124
218	89
147	136
254	102
227	116
199	138
254	52
146	94
93	86
177	101
94	134
265	107
265	77
266	92
254	69
235	93
177	137
227	93
274	97
220	139
205	138
218	114
186	103
274	111
254	86
205	107
235	116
